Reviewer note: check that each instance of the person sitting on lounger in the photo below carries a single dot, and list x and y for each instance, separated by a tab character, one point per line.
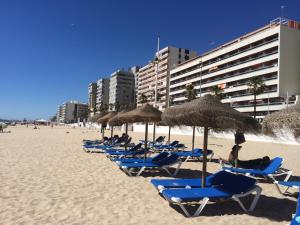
246	164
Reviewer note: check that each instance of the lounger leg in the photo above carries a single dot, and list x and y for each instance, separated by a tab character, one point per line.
177	168
202	203
287	177
141	170
258	191
126	170
201	207
184	210
211	156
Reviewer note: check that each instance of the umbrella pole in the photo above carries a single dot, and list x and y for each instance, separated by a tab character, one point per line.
154	130
193	140
126	132
236	158
169	136
112	131
205	139
102	127
146	140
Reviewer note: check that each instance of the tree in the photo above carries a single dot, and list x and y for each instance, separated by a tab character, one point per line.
143	99
256	87
53	118
190	92
171	100
217	91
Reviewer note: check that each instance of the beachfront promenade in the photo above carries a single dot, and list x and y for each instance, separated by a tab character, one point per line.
46	178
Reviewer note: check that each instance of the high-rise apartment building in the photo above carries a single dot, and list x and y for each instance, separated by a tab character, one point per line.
271	52
92	98
153	78
121	90
71	112
102	99
135	71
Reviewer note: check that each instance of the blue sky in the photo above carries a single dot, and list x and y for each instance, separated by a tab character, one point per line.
51	49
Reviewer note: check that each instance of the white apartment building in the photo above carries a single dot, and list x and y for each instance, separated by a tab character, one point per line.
71	112
135	71
121	90
92	89
102	96
271	52
155	75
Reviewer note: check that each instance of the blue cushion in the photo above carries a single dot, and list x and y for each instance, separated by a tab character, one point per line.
195	194
181	183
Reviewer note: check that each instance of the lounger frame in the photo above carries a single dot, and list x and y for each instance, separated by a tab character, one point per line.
202	203
130	171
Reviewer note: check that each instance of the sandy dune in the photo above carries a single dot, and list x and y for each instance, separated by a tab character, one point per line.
46	178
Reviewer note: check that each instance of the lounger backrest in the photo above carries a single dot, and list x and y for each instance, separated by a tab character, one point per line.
274	165
136	147
232	183
160	139
172	158
128	141
173	143
179	146
160	156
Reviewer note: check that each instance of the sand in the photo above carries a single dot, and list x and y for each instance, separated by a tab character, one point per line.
46	178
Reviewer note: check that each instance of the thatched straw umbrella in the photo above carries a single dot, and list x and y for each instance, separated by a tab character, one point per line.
286	118
208	112
145	113
104	120
174	119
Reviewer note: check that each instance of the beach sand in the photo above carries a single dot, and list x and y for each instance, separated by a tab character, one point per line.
47	178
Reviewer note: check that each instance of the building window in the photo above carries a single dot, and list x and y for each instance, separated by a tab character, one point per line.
187	51
186	57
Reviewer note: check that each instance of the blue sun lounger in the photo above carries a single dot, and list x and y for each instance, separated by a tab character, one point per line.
271	171
292	184
196	154
162	184
296	216
172	145
120	154
163	164
288	185
156	158
134	148
226	186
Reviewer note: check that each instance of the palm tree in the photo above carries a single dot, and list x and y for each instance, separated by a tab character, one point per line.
171	100
190	92
143	99
217	91
256	87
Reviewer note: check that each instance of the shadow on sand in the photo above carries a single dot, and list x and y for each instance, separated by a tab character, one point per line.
275	209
